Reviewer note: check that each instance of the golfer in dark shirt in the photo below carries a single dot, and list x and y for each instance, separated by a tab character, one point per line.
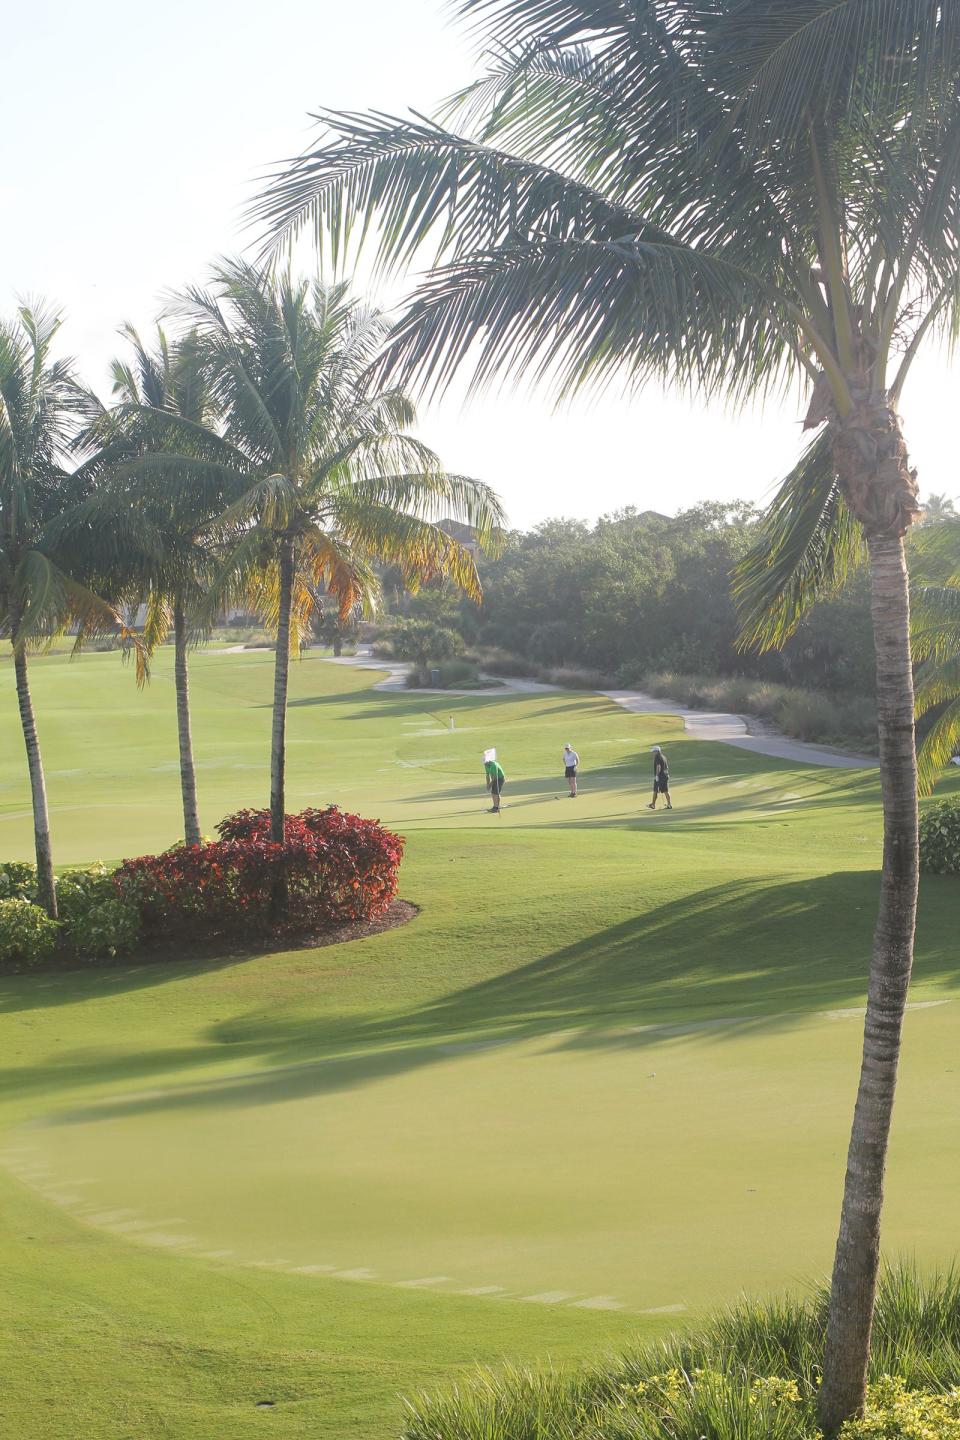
661	779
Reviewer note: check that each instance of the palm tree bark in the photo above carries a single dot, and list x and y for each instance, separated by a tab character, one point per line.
188	775
857	1258
46	887
280	678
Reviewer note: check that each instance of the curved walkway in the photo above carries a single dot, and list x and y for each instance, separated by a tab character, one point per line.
733	730
701	724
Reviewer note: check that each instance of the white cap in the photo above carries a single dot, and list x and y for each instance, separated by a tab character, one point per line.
489	755
655	750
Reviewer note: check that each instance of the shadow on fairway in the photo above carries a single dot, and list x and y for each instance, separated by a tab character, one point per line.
736	957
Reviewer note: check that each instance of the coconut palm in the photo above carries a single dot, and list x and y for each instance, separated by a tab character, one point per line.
737	197
42	589
324	473
938	507
162	541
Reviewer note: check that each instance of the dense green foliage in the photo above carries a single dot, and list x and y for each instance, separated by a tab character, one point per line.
940	838
27	935
94	921
640	592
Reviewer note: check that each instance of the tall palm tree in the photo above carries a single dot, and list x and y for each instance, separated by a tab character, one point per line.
163	540
737	197
41	579
324	474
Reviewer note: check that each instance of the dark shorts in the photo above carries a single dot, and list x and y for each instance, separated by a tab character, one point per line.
496	785
570	771
661	784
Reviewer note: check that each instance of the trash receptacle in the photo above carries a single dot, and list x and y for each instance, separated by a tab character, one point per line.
434	677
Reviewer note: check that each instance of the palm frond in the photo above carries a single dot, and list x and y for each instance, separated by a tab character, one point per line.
942	741
582	313
807	544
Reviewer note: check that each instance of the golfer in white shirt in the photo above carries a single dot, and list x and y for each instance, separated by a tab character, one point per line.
571	763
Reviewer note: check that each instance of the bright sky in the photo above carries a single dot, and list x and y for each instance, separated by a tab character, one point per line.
134	138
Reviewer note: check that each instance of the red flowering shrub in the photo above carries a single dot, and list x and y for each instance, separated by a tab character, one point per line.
330	869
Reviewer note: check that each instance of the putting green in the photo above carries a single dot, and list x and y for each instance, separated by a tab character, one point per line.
602	1079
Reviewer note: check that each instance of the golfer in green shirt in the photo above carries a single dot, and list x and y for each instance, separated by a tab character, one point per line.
495	779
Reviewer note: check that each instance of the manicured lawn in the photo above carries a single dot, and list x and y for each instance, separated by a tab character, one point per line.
603	1079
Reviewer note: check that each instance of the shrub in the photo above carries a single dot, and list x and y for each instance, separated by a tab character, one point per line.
332	868
423	641
108	928
572	677
452	674
78	890
805	714
501	662
893	1412
95	921
940	838
27	934
18	880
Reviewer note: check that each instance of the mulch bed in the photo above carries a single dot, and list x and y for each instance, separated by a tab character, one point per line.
158	952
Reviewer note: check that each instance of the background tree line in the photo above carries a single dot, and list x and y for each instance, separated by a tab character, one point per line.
638	593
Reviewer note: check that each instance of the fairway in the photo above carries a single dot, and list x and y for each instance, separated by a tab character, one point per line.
603	1079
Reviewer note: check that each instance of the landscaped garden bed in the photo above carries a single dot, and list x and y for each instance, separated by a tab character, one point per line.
334	878
750	1373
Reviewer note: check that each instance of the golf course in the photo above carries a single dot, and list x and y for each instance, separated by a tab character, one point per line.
601	1081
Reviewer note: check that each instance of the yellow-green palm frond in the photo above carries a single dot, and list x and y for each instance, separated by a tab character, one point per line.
807	544
938	685
935	621
49	602
338	567
158	619
421	551
270	502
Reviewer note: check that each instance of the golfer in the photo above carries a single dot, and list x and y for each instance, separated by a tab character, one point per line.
571	763
495	779
661	779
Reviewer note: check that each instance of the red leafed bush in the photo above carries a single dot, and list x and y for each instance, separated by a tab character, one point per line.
331	868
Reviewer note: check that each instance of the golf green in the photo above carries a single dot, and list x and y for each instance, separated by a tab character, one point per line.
602	1079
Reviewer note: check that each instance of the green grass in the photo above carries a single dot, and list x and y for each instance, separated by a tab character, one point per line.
612	1061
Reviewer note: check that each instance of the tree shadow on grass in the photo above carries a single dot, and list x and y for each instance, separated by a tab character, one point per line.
737	957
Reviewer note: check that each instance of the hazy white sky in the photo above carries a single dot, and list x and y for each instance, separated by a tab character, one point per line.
133	137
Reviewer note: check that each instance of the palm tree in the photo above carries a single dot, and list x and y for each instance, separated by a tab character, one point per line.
162	540
41	581
736	197
324	474
938	507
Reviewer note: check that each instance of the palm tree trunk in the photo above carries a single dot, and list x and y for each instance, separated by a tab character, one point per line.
46	888
188	776
857	1257
280	678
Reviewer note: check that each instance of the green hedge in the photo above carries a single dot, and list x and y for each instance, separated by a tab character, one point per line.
940	838
94	923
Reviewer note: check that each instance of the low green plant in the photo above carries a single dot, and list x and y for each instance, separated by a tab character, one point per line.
893	1412
95	921
78	890
27	934
940	838
18	880
106	928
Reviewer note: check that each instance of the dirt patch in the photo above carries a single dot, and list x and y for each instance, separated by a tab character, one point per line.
222	951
